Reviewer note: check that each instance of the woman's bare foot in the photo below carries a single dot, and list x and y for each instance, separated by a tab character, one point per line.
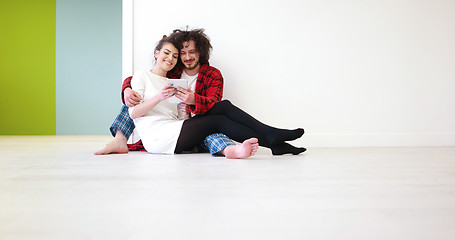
248	148
116	145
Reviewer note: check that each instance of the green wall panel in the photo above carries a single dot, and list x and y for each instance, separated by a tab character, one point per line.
27	67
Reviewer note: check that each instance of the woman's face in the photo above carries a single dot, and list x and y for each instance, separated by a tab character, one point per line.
167	57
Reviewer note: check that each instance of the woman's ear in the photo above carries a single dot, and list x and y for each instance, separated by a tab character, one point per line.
156	54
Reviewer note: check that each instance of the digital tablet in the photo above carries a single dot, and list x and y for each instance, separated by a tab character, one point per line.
183	83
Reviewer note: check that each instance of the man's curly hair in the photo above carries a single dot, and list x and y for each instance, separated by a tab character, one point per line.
201	40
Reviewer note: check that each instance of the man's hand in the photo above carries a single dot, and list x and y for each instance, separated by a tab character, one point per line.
131	97
187	96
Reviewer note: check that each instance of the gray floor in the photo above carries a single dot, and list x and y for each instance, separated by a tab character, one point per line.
52	187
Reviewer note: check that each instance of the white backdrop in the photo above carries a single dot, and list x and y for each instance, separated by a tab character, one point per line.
352	73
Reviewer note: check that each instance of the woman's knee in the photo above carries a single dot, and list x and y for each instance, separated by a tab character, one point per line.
225	104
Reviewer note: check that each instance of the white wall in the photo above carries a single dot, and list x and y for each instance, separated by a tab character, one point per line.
352	73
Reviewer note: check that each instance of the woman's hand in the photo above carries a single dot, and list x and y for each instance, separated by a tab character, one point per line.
185	110
142	109
187	96
131	97
167	92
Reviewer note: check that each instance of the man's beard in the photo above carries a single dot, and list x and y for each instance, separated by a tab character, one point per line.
191	67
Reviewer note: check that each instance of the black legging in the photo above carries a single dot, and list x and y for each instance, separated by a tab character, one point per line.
228	119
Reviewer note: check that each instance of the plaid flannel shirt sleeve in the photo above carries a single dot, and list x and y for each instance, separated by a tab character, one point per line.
209	91
126	84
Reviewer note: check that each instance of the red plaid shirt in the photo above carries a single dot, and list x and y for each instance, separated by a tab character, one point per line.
209	90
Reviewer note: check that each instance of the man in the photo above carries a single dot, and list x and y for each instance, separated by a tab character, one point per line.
205	89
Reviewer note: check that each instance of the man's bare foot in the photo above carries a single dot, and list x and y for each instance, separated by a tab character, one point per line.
114	146
248	148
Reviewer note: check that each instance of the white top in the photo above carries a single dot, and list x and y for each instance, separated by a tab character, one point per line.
191	80
160	127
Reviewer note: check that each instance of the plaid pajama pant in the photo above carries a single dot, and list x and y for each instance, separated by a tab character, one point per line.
123	122
213	143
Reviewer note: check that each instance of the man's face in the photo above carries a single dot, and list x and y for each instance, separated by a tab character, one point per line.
189	55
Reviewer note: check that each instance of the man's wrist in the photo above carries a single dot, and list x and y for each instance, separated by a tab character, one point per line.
193	99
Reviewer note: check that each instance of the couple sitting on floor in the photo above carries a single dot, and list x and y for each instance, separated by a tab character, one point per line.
201	121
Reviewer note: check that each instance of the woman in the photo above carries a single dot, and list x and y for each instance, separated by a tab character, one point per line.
162	130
